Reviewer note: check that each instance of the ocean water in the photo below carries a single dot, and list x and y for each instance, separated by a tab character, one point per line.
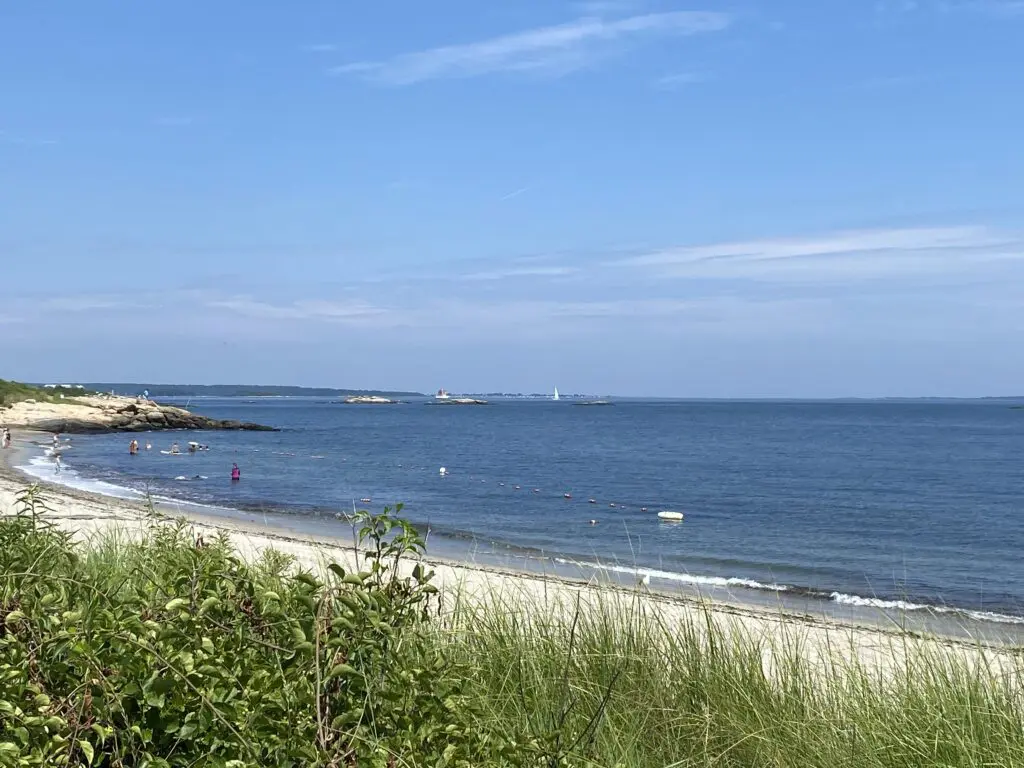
914	508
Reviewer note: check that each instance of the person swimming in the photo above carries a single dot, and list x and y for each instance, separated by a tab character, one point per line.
236	473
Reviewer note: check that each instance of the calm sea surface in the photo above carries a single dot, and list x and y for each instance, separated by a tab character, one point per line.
867	504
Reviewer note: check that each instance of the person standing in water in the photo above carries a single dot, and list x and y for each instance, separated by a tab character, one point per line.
6	439
236	473
133	447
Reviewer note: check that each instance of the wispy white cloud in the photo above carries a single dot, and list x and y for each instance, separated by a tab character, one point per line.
310	309
839	256
679	80
514	193
86	303
502	274
555	50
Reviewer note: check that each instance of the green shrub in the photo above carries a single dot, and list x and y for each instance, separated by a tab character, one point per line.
171	651
14	392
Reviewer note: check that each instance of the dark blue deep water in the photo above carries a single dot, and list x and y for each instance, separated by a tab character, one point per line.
866	503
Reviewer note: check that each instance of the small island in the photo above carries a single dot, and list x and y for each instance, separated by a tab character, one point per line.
369	400
457	401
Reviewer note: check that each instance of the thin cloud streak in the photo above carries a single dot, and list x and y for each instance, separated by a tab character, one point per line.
679	80
514	193
299	310
864	254
502	274
555	50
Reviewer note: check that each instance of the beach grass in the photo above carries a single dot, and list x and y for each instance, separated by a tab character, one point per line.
159	648
15	392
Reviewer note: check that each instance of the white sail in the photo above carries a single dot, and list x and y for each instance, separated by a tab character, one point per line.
556	394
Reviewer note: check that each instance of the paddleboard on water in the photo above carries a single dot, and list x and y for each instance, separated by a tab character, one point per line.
675	517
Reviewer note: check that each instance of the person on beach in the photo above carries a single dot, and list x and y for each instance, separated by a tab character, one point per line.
236	473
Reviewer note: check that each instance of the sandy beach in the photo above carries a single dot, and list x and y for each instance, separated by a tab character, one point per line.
821	641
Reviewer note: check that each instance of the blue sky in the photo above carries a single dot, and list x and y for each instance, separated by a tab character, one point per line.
791	198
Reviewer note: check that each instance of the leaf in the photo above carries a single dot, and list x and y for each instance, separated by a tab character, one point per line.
337	570
176	604
13	619
208	604
341	669
87	750
449	753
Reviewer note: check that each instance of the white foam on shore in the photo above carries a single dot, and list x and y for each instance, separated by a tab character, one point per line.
43	468
903	605
684	578
839	598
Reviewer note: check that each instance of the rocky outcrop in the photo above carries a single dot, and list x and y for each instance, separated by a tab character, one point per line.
82	415
369	400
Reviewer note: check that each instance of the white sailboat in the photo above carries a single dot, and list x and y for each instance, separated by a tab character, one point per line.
555	397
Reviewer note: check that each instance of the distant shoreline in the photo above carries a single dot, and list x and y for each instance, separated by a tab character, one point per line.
274	391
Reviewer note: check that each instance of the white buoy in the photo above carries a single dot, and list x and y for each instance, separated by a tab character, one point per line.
675	517
646	580
443	471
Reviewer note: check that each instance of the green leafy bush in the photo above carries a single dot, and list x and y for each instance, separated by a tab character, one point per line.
171	651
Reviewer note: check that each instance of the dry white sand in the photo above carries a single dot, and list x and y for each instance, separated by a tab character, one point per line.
821	642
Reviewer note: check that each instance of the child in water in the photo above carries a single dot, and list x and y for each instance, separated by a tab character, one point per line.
236	473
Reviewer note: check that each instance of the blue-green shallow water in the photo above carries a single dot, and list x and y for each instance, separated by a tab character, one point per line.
851	507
